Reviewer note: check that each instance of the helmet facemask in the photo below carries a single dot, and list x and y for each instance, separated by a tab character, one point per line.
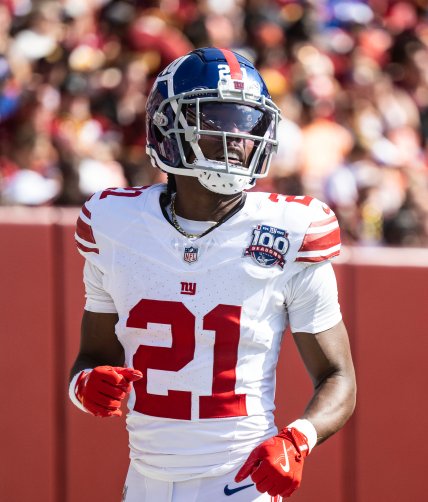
225	136
229	140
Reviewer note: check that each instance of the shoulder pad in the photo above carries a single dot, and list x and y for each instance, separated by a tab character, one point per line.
84	235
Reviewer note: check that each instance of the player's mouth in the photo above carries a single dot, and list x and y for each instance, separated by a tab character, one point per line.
233	157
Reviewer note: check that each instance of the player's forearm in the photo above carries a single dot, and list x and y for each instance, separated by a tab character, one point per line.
332	404
81	363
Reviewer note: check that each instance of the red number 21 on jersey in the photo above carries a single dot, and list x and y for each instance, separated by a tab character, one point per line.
224	320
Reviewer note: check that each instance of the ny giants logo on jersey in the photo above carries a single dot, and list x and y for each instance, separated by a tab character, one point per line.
188	288
269	246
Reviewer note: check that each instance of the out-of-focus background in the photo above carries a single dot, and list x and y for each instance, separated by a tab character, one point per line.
351	78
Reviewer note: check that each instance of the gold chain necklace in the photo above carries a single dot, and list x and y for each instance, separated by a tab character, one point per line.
179	228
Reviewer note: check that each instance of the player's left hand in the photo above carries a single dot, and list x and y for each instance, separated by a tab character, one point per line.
276	465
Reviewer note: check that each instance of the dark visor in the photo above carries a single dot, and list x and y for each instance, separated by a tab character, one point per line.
230	117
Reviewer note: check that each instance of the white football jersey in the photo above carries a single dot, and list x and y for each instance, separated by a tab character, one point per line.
203	318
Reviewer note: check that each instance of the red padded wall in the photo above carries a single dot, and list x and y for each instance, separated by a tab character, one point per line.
96	452
391	351
28	418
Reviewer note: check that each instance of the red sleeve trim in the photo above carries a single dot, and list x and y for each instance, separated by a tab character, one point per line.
86	249
84	231
322	223
86	212
316	259
321	241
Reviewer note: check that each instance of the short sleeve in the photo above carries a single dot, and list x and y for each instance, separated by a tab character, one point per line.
97	298
312	299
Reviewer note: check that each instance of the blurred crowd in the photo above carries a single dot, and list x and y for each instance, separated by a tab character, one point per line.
350	76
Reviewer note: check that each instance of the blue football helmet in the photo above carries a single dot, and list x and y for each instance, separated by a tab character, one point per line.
209	115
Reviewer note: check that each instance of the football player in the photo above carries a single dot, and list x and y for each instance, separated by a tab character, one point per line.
189	288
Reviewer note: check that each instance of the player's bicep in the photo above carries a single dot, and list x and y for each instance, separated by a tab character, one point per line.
325	353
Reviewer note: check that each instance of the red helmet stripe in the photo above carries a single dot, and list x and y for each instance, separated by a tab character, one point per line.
235	69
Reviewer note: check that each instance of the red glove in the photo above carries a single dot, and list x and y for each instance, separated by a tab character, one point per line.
102	389
276	465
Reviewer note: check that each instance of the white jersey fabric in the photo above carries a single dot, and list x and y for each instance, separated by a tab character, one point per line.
203	319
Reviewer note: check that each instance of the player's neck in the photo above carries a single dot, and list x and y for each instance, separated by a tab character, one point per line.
194	202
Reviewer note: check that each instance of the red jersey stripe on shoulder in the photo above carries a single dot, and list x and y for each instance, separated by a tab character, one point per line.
121	192
86	249
86	211
321	241
84	231
316	259
322	223
235	69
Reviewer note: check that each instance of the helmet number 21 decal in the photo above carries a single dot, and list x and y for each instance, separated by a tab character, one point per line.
224	71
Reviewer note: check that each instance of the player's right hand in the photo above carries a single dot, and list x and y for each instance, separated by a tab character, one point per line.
102	389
